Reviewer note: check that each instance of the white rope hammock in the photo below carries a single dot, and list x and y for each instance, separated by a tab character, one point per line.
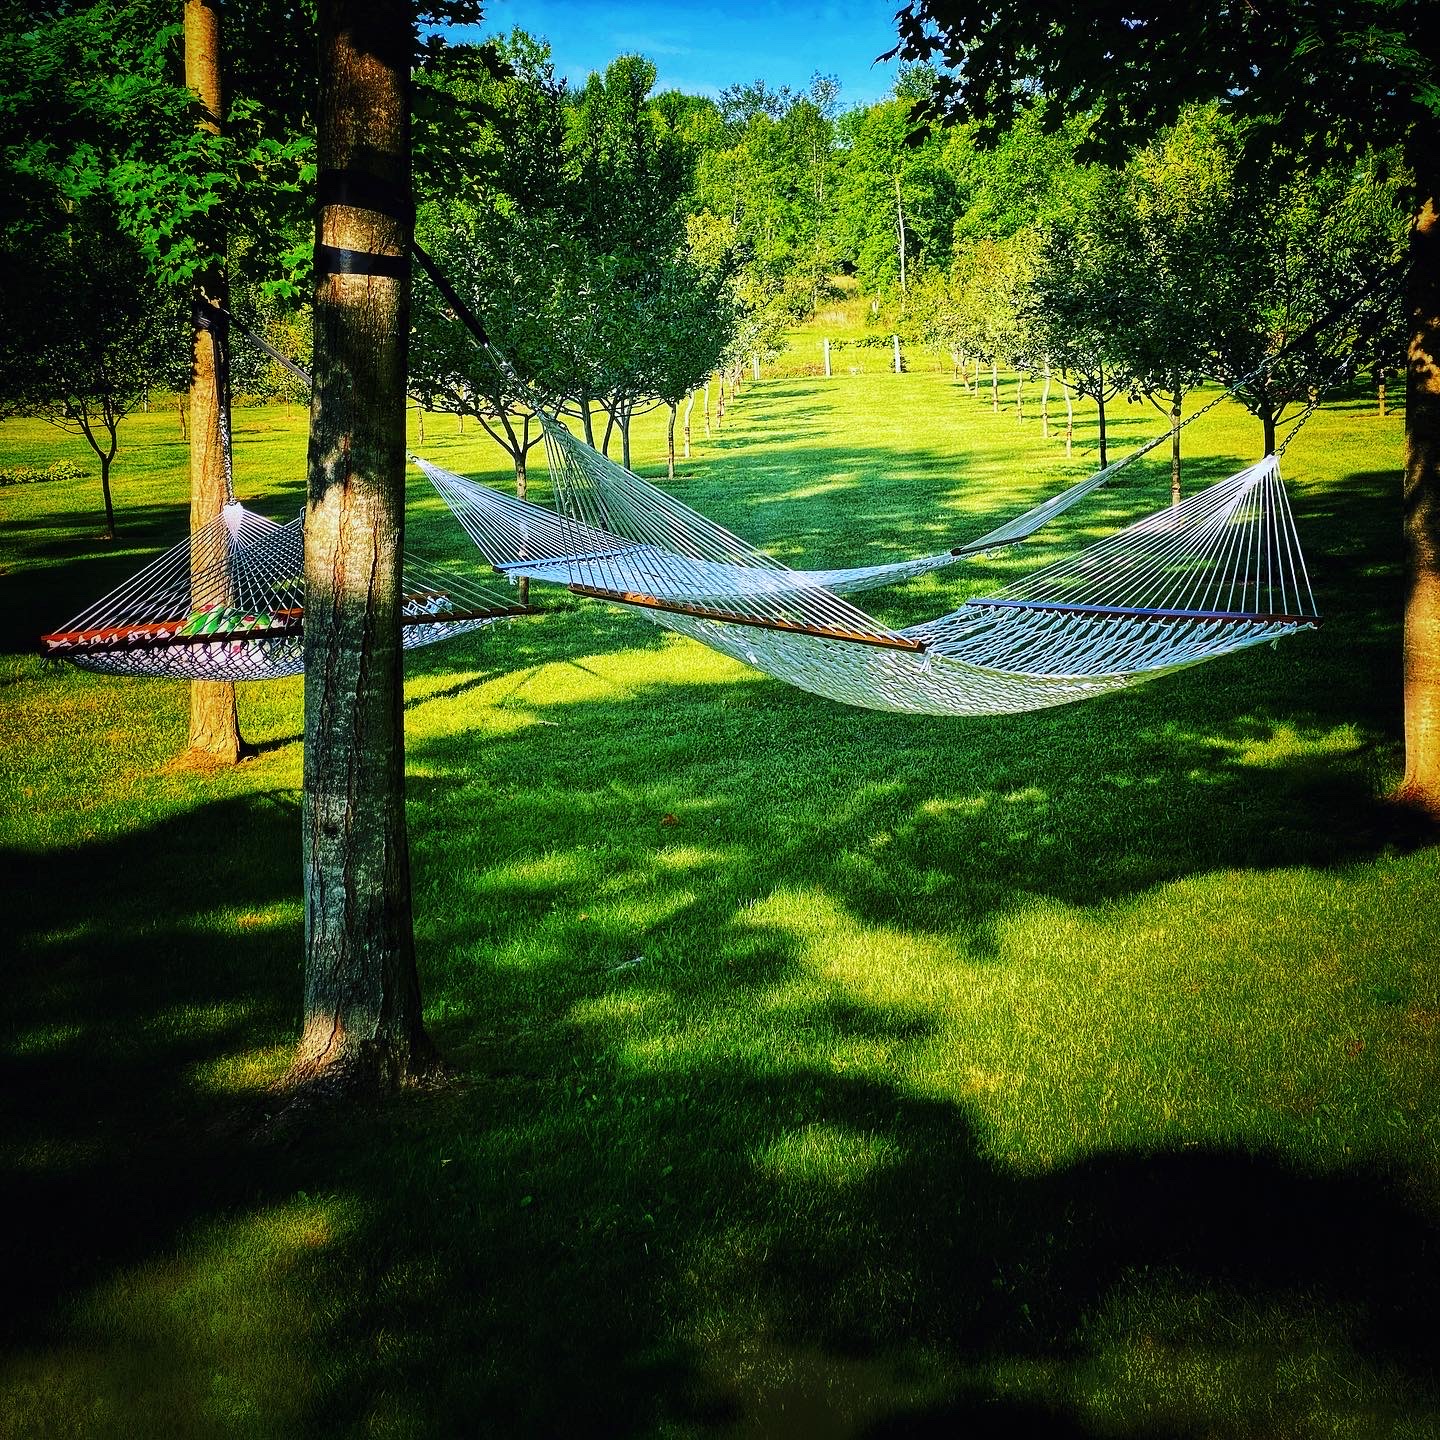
227	603
1218	573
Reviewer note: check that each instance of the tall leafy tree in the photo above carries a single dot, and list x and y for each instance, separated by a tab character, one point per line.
897	202
1315	79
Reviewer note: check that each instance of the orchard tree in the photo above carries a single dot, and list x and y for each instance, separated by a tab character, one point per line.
1314	285
1313	80
1081	260
1185	229
83	331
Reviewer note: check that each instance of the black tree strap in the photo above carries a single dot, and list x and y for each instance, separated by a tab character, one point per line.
463	313
362	191
333	260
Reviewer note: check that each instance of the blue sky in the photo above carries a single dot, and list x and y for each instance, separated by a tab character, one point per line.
699	48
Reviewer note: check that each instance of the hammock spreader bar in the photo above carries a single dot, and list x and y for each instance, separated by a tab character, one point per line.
1145	613
760	622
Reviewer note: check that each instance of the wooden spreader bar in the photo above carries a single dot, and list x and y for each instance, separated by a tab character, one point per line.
1236	617
164	634
675	607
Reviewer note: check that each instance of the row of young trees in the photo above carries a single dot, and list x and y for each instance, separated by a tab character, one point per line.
1184	264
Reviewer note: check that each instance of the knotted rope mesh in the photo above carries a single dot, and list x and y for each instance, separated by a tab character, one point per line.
227	603
1217	573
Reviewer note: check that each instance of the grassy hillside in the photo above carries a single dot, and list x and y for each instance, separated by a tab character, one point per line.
820	1071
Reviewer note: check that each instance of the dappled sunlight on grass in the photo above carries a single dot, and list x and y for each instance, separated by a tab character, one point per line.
1067	1074
202	1342
1165	1348
829	1155
249	1072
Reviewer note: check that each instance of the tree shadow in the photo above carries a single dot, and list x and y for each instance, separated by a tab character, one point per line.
682	1186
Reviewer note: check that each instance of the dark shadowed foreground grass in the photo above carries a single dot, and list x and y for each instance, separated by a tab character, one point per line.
822	1072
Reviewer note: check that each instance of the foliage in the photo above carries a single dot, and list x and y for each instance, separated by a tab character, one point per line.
38	474
85	333
1347	74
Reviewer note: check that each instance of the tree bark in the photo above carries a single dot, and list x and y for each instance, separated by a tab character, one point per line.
214	719
706	411
670	445
1175	401
105	462
1267	423
1421	785
362	1018
689	409
522	488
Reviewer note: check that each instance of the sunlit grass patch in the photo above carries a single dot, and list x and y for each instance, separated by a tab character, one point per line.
202	1342
1051	1073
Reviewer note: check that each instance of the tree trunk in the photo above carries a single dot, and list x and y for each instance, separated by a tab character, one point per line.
994	388
1175	402
522	487
1019	394
689	408
625	436
362	1017
420	423
1100	402
1267	423
587	421
1069	419
1380	378
1421	785
670	445
181	403
105	463
707	410
1045	405
214	719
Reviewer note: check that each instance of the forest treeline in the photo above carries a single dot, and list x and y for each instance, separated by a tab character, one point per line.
622	245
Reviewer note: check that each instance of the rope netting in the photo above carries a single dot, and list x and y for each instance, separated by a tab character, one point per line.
227	603
1216	573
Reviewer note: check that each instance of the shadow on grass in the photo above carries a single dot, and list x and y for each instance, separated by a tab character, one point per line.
582	1241
657	1203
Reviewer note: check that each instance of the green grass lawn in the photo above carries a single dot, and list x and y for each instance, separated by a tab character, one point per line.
822	1072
